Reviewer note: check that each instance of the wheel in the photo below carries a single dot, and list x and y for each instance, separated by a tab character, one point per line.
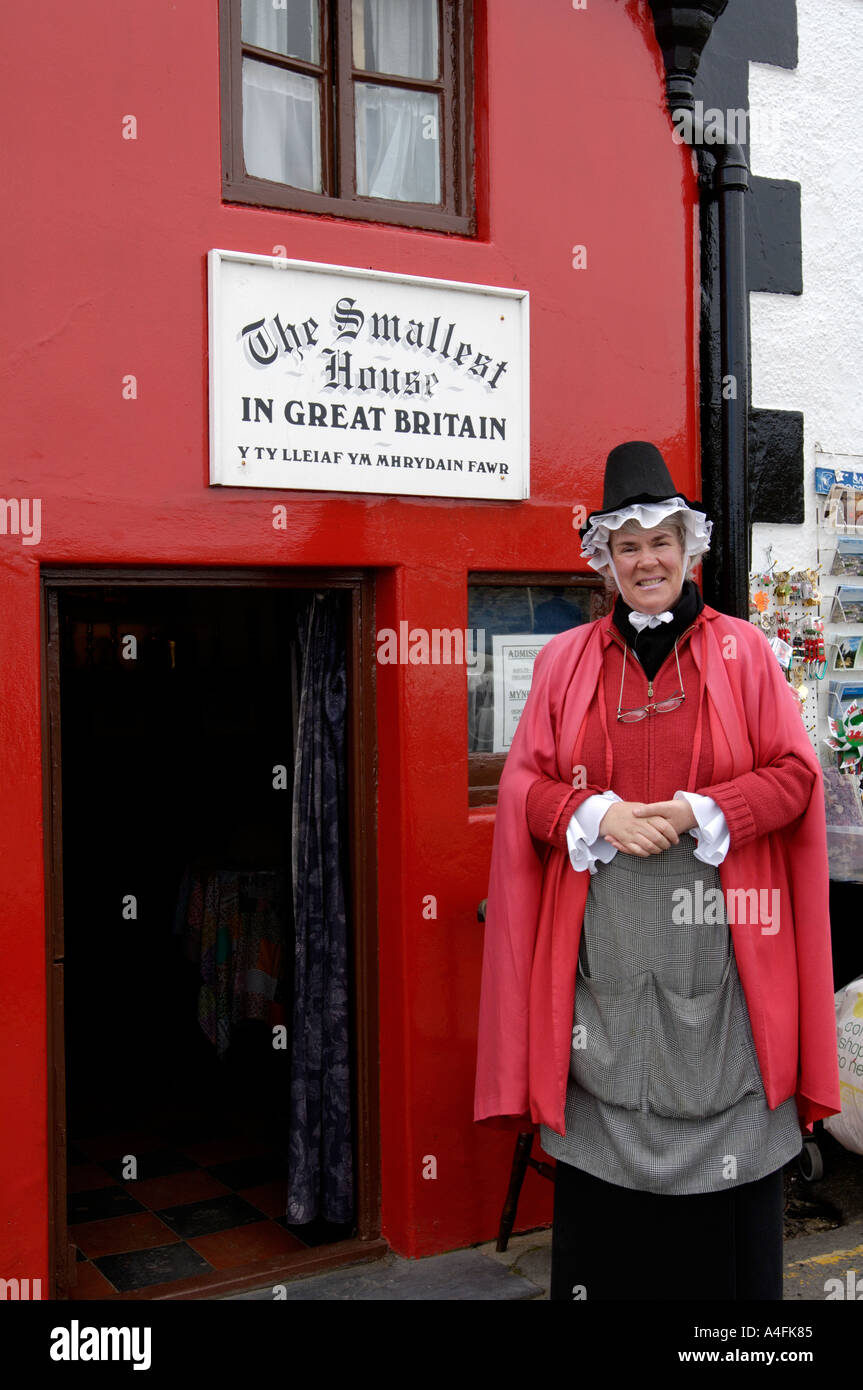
810	1162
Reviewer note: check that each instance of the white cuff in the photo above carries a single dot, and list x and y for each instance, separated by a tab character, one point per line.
711	833
584	842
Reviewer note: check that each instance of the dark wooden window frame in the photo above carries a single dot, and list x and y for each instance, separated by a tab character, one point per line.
368	1243
456	211
484	769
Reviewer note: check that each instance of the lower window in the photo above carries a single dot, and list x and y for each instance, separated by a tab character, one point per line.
511	618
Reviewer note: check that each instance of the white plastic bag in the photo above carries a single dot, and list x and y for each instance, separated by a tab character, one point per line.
847	1126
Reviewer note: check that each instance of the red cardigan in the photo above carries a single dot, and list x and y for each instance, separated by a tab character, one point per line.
745	735
651	759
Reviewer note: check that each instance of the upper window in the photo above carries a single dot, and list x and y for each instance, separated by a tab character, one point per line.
354	108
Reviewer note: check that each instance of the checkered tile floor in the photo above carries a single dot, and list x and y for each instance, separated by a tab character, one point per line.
191	1210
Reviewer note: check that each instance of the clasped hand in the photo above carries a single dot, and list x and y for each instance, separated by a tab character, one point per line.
638	827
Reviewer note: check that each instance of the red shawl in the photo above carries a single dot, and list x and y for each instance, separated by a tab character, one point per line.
536	900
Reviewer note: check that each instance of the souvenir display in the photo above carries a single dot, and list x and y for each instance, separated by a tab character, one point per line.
837	583
778	604
846	738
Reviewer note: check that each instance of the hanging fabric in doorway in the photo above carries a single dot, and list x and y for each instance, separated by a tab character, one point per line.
232	927
321	1172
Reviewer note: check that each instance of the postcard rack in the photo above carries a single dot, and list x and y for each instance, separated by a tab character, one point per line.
839	727
813	618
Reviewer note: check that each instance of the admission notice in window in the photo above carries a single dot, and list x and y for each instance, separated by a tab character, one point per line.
513	658
345	380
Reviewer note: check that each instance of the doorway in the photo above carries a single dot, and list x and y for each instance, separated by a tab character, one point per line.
210	924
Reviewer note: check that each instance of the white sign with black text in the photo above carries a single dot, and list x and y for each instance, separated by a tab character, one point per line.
512	660
337	379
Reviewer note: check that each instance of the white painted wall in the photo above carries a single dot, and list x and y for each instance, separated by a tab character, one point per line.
807	350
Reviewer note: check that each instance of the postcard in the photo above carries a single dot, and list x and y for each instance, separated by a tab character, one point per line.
848	604
848	654
849	556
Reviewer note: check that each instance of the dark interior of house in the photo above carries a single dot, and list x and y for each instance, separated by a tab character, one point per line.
179	719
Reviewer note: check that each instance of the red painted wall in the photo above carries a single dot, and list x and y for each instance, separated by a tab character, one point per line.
104	253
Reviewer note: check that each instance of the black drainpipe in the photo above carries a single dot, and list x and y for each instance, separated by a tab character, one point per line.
682	31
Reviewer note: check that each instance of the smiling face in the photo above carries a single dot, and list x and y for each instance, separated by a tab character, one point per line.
650	567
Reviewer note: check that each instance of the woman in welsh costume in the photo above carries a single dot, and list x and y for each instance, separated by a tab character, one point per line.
657	989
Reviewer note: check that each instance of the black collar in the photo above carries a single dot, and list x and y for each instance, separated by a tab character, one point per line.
653	644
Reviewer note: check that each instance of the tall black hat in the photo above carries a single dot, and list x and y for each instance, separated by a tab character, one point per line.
636	479
635	472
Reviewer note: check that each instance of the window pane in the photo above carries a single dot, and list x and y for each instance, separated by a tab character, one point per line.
281	125
291	29
528	611
397	144
397	36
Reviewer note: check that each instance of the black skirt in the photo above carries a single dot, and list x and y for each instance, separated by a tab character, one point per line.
612	1242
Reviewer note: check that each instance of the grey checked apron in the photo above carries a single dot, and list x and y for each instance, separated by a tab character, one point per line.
664	1091
665	1022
